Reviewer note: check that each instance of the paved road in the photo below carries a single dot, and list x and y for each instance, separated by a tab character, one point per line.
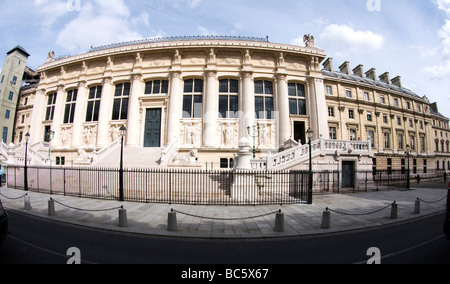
36	240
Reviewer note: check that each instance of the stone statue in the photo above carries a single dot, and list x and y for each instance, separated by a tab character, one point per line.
309	40
51	57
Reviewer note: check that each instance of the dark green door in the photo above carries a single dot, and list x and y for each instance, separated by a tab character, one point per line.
348	174
152	135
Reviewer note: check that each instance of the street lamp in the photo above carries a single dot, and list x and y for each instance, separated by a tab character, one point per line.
310	133
25	169
123	132
51	135
408	178
254	132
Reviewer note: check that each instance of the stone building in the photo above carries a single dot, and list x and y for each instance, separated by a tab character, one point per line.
189	102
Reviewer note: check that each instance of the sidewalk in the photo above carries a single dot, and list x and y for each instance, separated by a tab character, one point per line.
235	222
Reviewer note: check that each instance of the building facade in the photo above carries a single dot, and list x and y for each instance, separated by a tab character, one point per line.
202	96
10	84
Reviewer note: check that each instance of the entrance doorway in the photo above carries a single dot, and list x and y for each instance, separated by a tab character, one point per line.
348	174
152	135
300	132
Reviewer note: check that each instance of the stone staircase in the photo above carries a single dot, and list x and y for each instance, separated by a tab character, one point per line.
133	158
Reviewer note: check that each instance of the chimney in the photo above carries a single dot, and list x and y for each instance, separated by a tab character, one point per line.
345	68
359	71
385	78
371	74
328	64
397	81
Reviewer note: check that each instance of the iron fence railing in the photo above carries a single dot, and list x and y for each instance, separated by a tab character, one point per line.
203	187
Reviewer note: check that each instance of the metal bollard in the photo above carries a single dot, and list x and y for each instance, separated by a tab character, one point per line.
279	222
27	203
417	207
394	210
123	220
172	222
51	207
326	219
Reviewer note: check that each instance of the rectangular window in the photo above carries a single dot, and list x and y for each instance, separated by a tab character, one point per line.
329	90
51	102
387	140
14	80
157	87
264	105
193	99
366	96
297	102
7	113
11	96
400	141
352	134
333	133
396	102
413	142
228	99
5	134
369	116
3	78
331	111
71	102
371	135
120	106
399	121
351	114
93	107
385	118
348	93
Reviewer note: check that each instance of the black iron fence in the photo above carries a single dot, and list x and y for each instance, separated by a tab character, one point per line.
170	186
202	187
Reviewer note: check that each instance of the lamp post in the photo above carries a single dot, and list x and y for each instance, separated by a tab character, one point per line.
51	135
25	169
310	133
123	132
254	132
408	178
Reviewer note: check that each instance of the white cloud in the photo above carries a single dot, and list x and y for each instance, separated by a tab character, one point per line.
444	5
194	3
100	22
443	68
51	11
344	39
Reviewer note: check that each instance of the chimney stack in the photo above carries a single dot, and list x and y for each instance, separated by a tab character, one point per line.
371	74
345	68
385	78
328	64
359	71
397	81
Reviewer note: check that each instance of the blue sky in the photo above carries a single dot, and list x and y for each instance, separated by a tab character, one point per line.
410	38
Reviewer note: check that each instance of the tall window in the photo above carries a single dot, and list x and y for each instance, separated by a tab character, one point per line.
71	102
333	135
5	134
93	107
387	140
11	96
51	102
297	99
7	114
228	98
264	107
193	98
121	96
157	87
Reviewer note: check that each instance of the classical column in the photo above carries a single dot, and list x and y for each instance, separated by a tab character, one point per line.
80	114
105	112
133	111
58	117
318	108
211	110
175	106
40	105
283	109
247	106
